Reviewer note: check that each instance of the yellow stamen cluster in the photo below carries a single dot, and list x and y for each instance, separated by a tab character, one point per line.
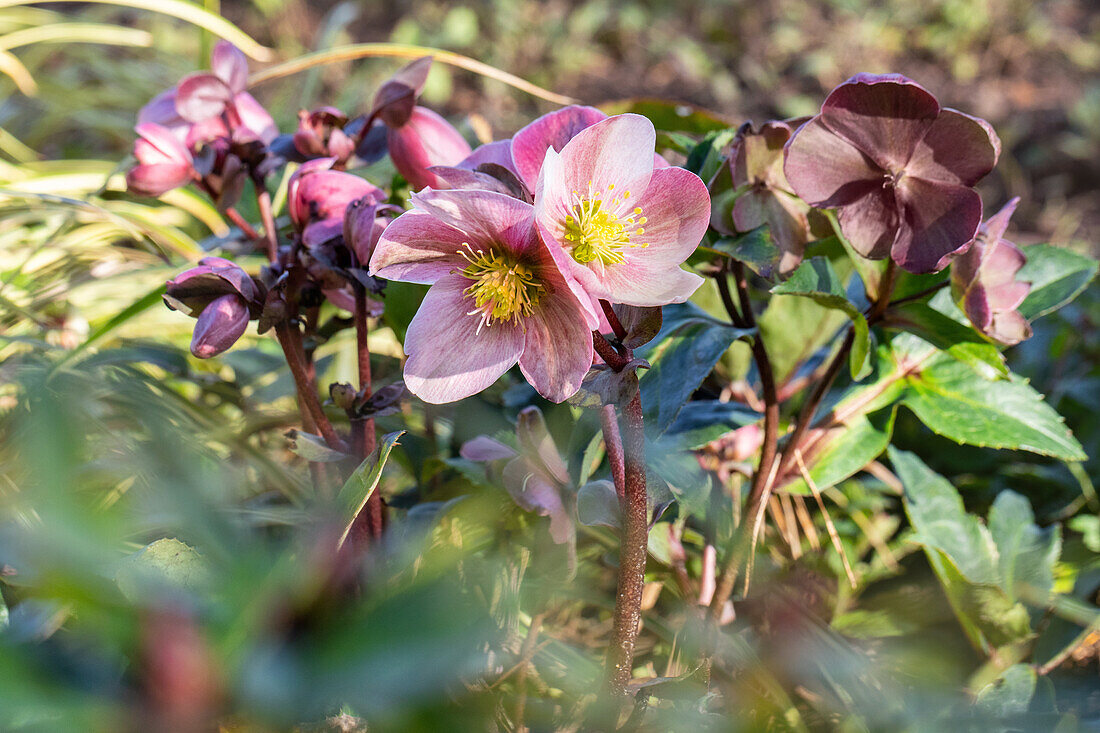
502	291
595	232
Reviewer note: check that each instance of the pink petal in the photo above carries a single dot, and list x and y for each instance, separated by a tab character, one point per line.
615	154
425	140
230	65
162	111
417	247
496	153
202	96
158	178
996	225
957	149
551	131
939	219
885	116
255	117
557	349
485	449
449	359
871	223
1009	327
640	282
825	170
488	218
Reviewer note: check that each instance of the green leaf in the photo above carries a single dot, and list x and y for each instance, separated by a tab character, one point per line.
363	481
680	358
1057	276
794	328
816	279
844	450
702	421
957	403
1010	695
947	334
706	158
164	563
597	503
754	248
1026	553
312	447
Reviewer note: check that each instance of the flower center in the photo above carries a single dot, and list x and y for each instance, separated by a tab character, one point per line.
599	232
502	291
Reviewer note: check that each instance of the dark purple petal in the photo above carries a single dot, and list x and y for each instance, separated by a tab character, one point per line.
396	98
359	227
552	130
825	170
230	65
885	116
939	219
219	326
786	217
871	223
202	96
957	149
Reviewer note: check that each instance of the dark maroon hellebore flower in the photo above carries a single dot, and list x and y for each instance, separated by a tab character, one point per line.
899	168
222	296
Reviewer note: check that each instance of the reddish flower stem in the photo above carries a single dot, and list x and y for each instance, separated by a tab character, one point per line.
613	441
371	521
613	319
241	223
634	535
271	234
290	340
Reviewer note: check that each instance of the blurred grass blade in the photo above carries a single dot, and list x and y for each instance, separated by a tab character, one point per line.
16	148
105	33
139	306
403	51
362	483
185	11
15	69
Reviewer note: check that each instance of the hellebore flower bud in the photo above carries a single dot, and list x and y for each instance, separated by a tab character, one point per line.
317	198
395	100
222	296
219	326
321	134
983	280
362	228
425	140
163	162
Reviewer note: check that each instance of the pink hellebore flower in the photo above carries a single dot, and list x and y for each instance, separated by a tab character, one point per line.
497	297
222	296
984	281
163	162
756	163
317	198
899	168
193	109
622	228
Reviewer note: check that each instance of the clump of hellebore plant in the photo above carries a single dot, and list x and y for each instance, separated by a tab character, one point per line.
899	168
418	138
222	296
621	227
983	280
497	297
762	194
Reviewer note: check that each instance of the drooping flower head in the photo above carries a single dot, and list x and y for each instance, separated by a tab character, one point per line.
163	162
417	137
622	228
756	163
317	198
222	296
321	134
983	281
497	297
899	168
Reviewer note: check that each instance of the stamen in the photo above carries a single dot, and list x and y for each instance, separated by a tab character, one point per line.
598	233
502	290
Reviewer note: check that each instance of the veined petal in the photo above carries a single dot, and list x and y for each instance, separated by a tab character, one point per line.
549	132
885	116
676	205
417	247
488	218
1009	327
644	283
956	149
938	220
557	348
870	223
613	155
826	170
449	359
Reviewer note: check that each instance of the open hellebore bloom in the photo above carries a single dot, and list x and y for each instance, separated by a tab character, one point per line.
317	198
899	168
756	163
193	109
622	228
984	281
497	297
222	296
417	137
163	162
